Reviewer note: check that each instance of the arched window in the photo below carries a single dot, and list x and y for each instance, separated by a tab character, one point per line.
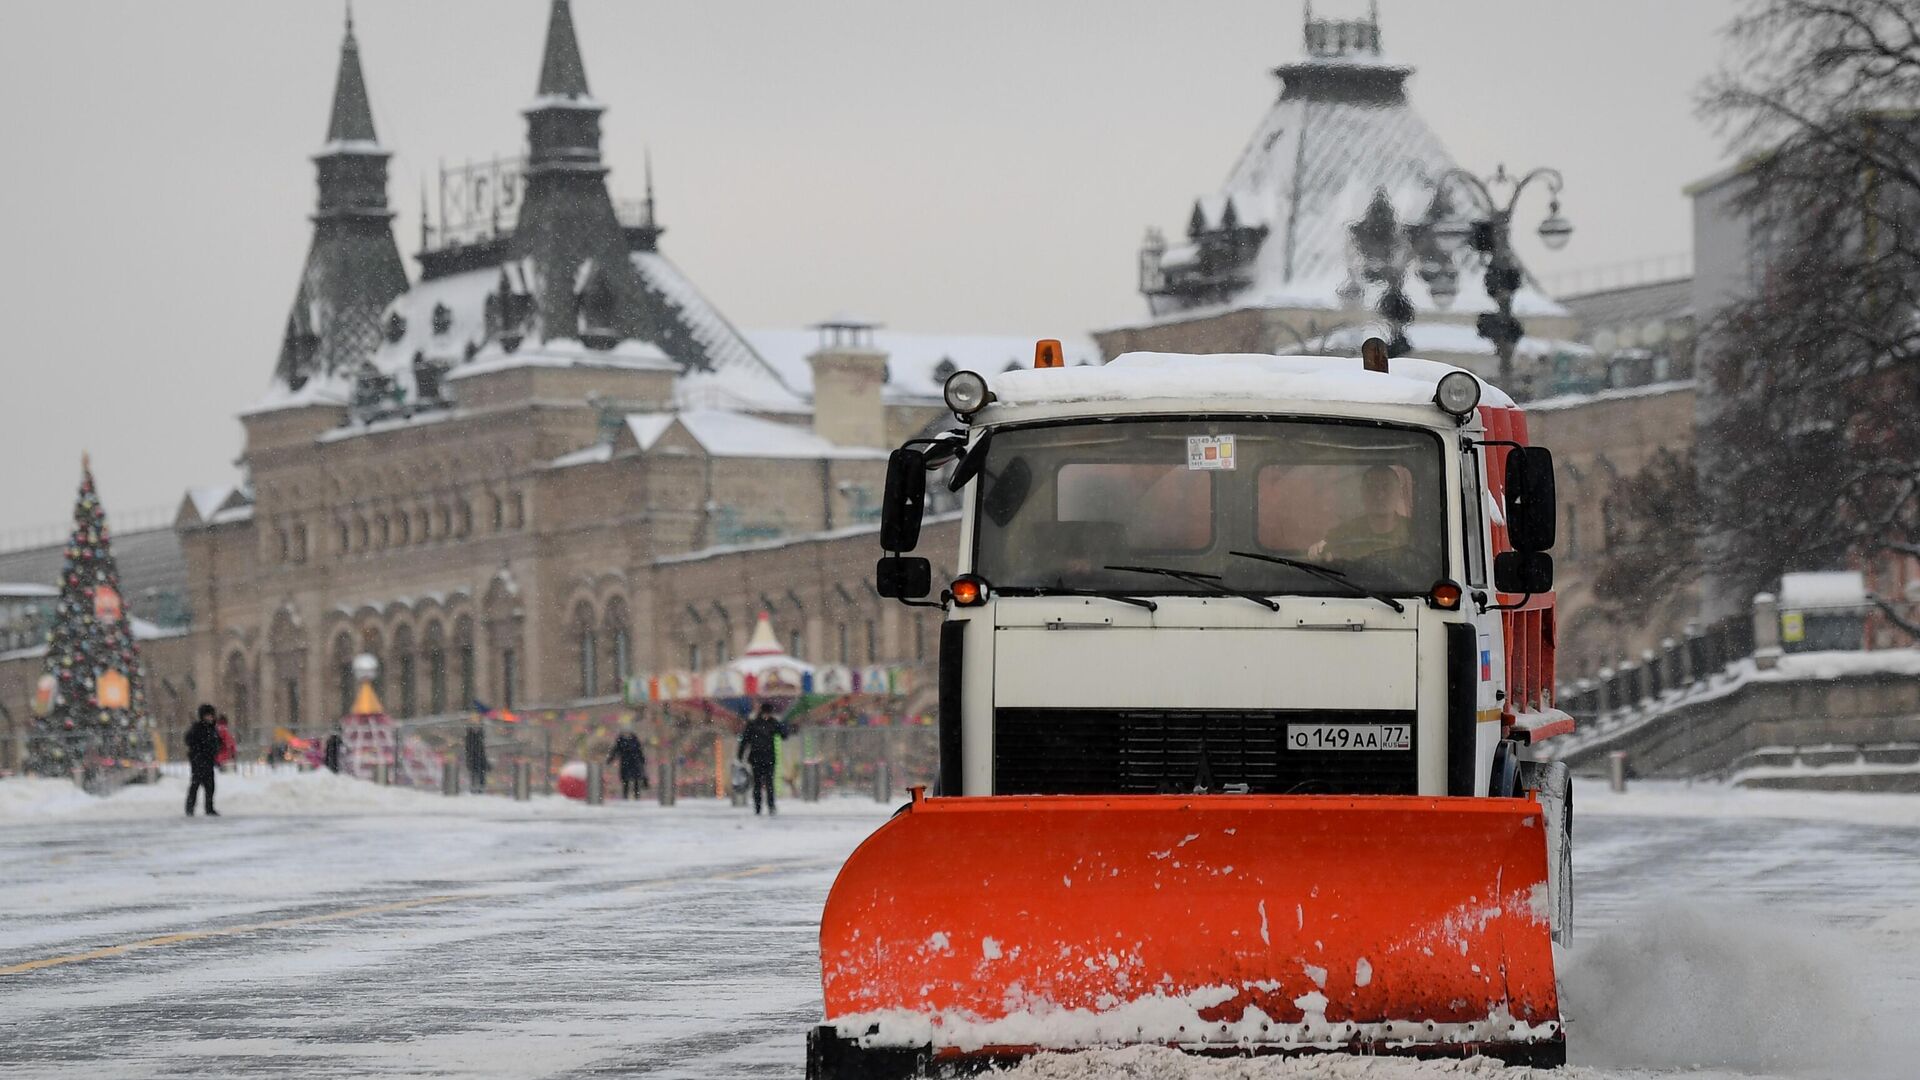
845	653
384	529
463	649
285	544
236	685
403	674
873	641
793	643
433	649
499	515
403	527
466	518
586	646
519	510
619	644
300	543
343	671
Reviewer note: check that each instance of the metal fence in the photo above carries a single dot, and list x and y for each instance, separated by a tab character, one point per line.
1696	656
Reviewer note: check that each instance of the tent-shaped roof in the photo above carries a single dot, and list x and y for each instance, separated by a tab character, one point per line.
1276	233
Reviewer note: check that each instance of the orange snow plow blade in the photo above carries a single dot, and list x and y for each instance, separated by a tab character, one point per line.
968	930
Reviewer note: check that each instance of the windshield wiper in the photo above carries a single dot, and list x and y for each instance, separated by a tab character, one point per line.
1325	573
1062	590
1209	581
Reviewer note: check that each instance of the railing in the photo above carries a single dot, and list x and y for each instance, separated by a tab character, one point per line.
1697	656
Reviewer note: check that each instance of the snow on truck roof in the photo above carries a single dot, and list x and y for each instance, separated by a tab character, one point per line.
1238	376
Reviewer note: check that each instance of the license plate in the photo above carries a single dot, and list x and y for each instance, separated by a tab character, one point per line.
1349	737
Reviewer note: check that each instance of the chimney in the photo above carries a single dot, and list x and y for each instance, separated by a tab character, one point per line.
849	374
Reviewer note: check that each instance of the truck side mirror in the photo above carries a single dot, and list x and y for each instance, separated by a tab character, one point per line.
903	577
905	500
1528	572
1530	499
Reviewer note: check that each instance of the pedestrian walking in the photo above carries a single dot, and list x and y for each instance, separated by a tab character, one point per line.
477	758
227	746
633	763
757	750
203	751
330	757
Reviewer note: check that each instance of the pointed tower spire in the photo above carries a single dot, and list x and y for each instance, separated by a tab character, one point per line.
562	73
352	116
563	124
353	267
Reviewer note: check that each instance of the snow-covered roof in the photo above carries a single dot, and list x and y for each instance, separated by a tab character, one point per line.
1313	165
725	348
1574	401
211	499
597	454
723	433
1447	337
19	590
914	360
1807	591
1232	377
565	353
443	319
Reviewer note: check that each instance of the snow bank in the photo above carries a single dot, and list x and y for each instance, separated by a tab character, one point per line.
1672	798
322	794
1683	984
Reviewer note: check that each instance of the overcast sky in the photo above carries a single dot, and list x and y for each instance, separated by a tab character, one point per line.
981	167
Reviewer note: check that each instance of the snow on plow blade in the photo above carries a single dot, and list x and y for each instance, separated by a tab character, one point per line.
975	930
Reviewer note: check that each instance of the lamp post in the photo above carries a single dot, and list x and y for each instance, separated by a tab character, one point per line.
1380	248
1485	234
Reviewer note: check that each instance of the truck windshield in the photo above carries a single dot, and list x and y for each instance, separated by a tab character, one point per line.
1059	505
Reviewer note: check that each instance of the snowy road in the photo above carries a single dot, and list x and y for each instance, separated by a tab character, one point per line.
325	928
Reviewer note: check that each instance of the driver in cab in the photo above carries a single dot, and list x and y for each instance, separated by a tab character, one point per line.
1379	529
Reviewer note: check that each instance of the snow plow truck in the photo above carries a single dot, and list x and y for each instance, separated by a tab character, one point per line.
1238	664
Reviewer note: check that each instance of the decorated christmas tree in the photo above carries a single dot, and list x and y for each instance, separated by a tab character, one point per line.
89	704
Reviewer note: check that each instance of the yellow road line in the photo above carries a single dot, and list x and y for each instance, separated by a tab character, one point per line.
228	931
732	875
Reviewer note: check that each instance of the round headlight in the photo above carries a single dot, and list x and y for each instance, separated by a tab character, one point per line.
966	392
1457	393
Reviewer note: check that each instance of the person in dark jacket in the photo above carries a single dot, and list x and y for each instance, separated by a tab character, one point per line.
330	757
756	747
477	758
203	750
633	763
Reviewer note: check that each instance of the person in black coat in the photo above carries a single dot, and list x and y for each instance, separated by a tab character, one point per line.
477	758
633	763
203	751
330	757
756	747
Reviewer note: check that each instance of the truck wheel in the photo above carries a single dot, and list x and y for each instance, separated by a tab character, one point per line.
1505	781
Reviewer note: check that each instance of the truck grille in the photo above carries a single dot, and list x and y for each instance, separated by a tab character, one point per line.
1133	752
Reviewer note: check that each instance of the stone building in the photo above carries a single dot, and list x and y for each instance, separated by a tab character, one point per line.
547	464
1269	263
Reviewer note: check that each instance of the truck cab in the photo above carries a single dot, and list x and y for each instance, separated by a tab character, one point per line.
1235	574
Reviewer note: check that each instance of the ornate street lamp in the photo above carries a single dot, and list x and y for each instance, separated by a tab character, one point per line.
1380	249
1485	235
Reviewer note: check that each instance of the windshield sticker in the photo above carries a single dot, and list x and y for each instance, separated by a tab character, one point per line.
1210	452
